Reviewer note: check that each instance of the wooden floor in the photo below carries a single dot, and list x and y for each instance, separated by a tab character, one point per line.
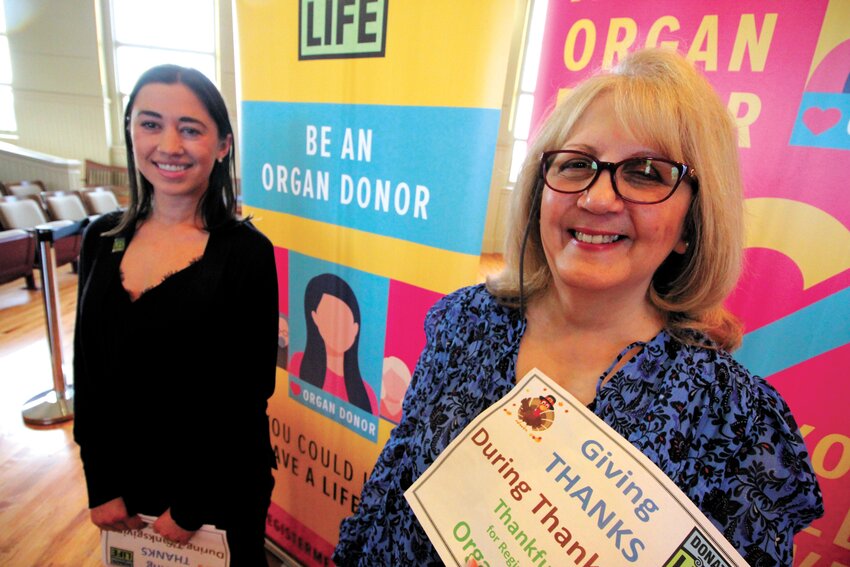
43	513
44	519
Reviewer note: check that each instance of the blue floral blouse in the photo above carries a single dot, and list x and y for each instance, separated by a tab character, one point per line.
725	437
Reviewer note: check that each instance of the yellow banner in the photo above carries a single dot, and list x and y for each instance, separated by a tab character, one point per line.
368	134
439	53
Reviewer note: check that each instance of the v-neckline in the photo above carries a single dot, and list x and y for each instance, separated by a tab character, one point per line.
166	278
616	368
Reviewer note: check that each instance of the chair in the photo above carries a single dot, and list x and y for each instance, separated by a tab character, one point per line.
21	212
99	200
17	256
64	206
34	197
25	188
114	177
26	214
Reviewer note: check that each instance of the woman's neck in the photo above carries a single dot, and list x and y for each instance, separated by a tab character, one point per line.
573	336
619	318
174	211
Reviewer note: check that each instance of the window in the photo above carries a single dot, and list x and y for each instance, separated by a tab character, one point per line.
153	32
528	82
8	124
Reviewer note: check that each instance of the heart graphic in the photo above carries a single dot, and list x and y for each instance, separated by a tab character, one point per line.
296	388
819	121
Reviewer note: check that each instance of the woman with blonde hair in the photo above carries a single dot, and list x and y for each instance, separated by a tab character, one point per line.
625	237
690	287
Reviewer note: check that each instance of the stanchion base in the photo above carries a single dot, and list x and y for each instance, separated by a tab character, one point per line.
49	407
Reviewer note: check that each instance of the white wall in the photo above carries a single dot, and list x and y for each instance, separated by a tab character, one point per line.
59	103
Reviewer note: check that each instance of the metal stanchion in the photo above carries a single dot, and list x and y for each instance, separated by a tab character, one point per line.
57	404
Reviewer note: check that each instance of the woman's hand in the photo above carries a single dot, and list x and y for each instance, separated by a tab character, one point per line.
168	528
113	516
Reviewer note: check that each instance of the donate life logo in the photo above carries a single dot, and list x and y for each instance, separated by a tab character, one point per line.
121	557
342	29
696	551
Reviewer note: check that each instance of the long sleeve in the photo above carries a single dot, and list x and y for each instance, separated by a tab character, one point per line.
94	431
725	437
383	493
770	491
229	445
467	364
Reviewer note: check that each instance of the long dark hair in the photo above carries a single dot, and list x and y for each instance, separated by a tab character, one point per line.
314	365
217	206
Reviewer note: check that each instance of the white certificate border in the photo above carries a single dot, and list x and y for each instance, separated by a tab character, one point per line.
592	419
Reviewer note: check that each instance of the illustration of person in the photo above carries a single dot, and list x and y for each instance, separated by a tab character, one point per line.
282	340
394	382
330	359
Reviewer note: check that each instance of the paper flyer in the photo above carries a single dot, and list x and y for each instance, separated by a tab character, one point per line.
146	548
537	479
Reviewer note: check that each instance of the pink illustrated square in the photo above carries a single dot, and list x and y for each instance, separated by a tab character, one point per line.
405	340
281	259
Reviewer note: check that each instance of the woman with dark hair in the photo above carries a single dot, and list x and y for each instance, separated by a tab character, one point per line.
175	344
330	359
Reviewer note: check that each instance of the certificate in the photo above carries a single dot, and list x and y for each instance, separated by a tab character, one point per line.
146	548
538	480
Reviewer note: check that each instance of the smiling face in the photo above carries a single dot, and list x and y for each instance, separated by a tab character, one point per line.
596	241
175	141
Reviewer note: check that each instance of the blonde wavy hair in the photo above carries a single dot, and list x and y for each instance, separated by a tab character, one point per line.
661	100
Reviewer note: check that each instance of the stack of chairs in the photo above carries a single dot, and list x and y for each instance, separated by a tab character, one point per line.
17	256
64	205
25	205
112	177
25	188
25	210
99	200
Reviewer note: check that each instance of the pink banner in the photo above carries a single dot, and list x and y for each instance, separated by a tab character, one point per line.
783	67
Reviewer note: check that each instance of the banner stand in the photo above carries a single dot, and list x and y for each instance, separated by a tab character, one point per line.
57	404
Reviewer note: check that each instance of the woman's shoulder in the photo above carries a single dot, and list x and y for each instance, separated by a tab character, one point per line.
473	300
739	429
471	315
95	229
104	222
243	243
713	367
244	232
727	387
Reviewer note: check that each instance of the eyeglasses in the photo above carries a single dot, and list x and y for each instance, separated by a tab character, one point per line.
642	180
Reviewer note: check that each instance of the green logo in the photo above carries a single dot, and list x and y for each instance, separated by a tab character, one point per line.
341	29
697	551
122	557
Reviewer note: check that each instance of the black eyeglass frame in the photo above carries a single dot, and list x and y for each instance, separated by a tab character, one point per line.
684	171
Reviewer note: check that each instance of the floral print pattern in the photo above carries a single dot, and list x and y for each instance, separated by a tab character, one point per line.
725	437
